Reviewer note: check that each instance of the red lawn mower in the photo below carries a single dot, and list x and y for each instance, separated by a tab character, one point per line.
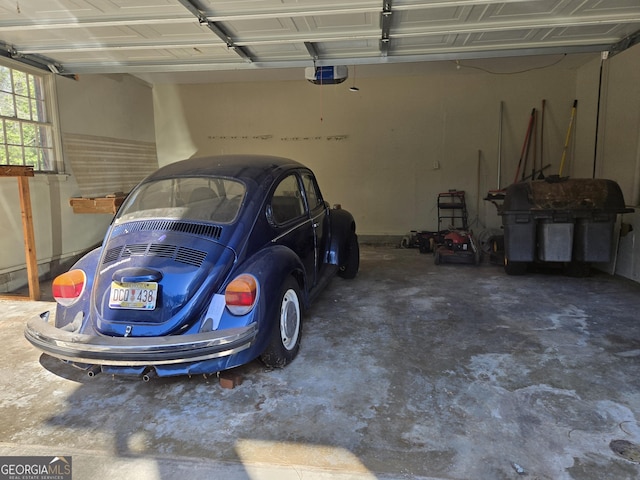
457	246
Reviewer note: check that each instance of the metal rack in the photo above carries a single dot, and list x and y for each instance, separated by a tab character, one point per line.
452	209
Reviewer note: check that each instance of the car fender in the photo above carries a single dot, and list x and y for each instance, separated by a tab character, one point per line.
343	226
270	266
88	263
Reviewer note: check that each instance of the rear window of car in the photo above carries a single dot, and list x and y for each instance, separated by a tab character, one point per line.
208	199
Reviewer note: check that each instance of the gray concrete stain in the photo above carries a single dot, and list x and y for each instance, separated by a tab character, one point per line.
411	370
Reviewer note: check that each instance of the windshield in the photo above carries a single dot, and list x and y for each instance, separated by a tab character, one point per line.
210	199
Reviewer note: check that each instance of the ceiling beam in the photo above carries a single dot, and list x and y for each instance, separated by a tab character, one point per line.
313	51
38	61
624	44
385	27
453	54
216	28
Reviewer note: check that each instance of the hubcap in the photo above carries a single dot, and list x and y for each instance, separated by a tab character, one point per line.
290	319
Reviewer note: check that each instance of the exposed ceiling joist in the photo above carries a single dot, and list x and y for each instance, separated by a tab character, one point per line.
625	43
385	26
462	54
215	28
36	61
313	51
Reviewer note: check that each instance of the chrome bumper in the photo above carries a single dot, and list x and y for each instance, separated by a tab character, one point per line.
137	351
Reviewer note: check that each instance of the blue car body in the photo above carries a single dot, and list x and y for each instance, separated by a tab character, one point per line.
158	297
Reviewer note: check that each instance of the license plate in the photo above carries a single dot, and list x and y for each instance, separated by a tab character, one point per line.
133	296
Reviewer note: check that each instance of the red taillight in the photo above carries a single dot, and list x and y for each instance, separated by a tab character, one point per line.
68	287
241	294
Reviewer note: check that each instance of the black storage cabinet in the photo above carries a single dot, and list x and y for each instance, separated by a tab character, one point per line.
568	220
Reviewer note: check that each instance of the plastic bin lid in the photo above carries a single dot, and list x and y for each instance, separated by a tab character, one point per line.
565	194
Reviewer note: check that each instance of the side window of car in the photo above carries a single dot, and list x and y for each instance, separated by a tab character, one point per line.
286	203
311	189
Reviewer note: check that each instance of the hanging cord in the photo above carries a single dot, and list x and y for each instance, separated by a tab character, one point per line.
315	70
321	100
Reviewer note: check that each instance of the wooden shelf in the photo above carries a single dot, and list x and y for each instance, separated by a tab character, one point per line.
108	204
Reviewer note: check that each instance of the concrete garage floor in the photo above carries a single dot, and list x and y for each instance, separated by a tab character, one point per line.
410	371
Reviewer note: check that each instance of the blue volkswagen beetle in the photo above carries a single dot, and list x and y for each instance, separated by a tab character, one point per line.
208	264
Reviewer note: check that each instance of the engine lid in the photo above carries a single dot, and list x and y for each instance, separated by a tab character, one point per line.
153	283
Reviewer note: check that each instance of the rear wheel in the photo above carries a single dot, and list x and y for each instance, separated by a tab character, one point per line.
349	269
285	338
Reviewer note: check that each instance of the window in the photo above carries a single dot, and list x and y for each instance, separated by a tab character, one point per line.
286	203
26	130
311	189
208	199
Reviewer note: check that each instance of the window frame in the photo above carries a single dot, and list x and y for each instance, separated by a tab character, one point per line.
311	185
298	194
51	105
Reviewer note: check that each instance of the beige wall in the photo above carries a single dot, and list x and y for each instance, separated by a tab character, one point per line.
384	152
618	142
116	107
618	137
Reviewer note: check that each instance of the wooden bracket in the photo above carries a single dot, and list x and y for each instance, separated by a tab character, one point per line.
22	173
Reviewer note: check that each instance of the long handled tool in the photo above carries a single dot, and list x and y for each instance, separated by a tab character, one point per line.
566	141
535	147
532	139
541	174
525	144
500	145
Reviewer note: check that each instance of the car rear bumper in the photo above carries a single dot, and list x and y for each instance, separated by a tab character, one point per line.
137	351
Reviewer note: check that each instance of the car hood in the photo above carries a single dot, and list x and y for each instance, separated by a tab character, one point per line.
188	265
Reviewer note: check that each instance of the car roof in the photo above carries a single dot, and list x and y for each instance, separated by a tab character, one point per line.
246	167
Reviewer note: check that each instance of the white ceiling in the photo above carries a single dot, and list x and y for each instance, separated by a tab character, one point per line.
228	40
